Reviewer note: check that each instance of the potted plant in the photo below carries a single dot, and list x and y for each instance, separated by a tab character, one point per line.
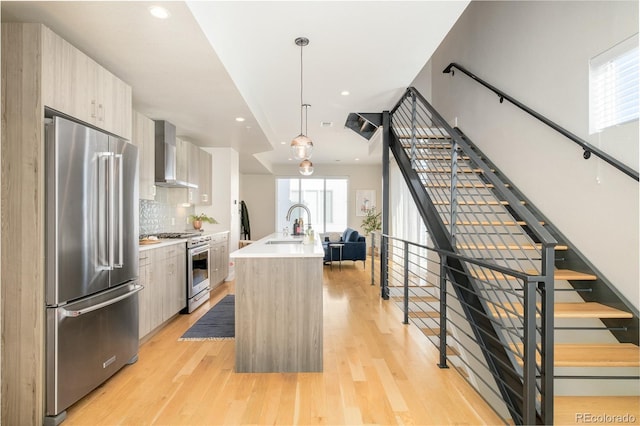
197	220
371	222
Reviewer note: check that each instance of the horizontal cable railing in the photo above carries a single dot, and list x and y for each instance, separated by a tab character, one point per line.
427	290
586	146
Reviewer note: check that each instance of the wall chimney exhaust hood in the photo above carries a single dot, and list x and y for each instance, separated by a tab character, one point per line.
166	157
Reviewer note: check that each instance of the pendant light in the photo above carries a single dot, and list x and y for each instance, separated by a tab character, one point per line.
306	168
301	145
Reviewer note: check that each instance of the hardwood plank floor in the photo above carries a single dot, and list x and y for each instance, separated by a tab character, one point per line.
376	371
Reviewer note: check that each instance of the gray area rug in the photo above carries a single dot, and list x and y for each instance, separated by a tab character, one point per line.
217	324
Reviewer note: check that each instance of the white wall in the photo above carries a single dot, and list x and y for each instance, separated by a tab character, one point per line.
258	191
225	194
538	52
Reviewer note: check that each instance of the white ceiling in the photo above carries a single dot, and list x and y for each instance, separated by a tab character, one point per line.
212	61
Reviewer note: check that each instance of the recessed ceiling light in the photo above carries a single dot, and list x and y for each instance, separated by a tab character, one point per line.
283	143
326	124
240	119
345	93
357	159
159	12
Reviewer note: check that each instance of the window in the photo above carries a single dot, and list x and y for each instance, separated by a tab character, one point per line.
613	86
326	199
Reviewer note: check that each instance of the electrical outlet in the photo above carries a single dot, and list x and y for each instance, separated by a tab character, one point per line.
455	122
173	221
186	220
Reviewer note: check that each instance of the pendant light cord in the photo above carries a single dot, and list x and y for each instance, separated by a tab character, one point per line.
301	86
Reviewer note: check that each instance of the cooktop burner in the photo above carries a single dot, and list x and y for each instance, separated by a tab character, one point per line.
178	234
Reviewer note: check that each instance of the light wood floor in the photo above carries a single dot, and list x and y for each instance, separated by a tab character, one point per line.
376	371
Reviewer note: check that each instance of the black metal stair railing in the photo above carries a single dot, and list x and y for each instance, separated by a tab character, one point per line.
586	146
428	290
452	201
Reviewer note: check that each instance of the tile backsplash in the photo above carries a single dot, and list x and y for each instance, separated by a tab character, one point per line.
167	213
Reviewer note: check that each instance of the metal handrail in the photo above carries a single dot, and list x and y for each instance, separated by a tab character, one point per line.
586	146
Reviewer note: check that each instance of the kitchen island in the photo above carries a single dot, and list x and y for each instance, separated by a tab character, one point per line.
278	309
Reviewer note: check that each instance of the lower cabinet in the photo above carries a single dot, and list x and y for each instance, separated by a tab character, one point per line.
163	275
219	258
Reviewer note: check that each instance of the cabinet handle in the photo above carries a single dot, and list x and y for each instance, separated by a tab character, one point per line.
100	112
153	190
94	111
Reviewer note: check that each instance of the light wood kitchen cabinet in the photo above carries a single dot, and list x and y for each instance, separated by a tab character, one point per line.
144	299
144	138
174	291
76	85
193	174
187	167
219	258
204	180
182	158
163	275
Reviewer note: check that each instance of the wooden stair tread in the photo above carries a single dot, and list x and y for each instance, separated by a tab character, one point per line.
567	310
448	170
559	274
505	247
427	146
475	203
425	299
567	274
588	310
423	314
432	331
567	407
490	223
594	355
597	355
440	157
479	185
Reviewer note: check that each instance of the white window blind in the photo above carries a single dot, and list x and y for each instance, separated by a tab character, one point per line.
613	86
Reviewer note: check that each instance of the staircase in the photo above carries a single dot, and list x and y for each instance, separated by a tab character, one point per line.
595	330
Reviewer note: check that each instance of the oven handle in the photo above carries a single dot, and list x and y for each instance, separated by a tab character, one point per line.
77	313
202	294
198	250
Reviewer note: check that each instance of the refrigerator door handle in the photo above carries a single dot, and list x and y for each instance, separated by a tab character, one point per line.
76	313
112	219
120	200
104	188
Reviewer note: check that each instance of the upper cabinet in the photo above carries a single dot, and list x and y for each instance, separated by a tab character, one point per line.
204	181
144	139
75	84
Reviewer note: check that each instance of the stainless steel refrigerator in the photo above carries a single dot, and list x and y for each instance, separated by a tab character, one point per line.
91	258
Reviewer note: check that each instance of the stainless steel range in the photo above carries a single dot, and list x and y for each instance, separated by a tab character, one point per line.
198	267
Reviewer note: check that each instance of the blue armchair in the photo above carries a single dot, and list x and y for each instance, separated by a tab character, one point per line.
355	247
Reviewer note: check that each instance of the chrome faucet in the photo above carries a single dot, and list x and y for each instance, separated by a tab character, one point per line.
302	206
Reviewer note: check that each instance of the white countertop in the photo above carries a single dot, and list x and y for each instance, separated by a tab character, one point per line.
260	248
170	241
163	243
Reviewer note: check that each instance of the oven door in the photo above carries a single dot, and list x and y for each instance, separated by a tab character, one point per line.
198	273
